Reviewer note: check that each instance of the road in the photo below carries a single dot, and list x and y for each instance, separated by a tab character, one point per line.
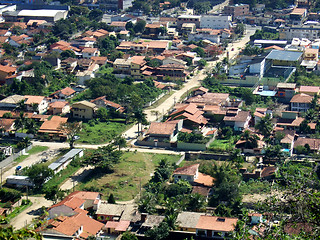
26	217
130	134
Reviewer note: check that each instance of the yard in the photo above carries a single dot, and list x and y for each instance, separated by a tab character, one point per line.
100	132
132	172
33	150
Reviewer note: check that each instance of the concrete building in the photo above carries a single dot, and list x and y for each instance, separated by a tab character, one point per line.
237	10
83	110
216	21
50	15
188	19
310	32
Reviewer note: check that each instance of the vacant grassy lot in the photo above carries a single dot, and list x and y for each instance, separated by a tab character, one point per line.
221	145
101	132
124	182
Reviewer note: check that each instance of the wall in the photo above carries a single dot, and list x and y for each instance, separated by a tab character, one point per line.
152	144
191	146
13	157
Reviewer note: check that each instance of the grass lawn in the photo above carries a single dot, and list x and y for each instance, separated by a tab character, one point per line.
102	132
220	145
33	150
124	182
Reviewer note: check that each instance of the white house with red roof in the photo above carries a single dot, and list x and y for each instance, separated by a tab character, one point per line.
36	103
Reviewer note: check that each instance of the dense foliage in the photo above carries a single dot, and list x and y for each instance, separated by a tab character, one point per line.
270	4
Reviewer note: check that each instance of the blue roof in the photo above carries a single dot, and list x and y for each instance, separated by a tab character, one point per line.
284	55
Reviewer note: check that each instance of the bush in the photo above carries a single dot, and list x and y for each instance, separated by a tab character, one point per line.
9	195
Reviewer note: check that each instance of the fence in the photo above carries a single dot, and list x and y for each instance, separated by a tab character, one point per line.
13	157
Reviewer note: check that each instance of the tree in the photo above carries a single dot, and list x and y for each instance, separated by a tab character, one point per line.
139	26
195	203
71	129
23	233
162	172
251	140
265	126
200	51
39	174
67	54
95	14
202	63
240	28
128	236
158	233
141	118
103	114
104	157
120	142
304	127
54	193
111	199
20	121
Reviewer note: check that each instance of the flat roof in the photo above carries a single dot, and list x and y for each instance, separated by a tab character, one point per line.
189	16
284	55
274	42
40	12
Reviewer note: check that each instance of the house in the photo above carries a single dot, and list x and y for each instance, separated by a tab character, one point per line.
137	62
313	143
300	102
63	94
210	99
193	176
255	218
215	227
69	64
298	15
116	227
36	104
171	72
83	110
5	72
51	128
311	54
118	26
285	91
310	90
247	147
109	212
103	102
7	125
88	52
289	120
163	131
17	41
11	102
200	91
75	200
59	107
192	117
122	66
261	113
216	21
237	119
187	221
64	161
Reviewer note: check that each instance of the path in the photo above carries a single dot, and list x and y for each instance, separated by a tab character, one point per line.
26	217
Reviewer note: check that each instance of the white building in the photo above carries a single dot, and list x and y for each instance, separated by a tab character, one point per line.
50	15
216	21
310	32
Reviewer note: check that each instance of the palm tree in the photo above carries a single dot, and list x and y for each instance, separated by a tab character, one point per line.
120	142
265	126
141	118
20	121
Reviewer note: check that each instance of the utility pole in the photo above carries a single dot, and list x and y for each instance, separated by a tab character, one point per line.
1	177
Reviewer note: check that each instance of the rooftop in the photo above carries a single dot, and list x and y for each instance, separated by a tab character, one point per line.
162	128
187	170
301	98
284	55
188	219
221	224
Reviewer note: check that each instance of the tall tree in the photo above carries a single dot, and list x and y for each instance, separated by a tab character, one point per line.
38	174
265	126
71	129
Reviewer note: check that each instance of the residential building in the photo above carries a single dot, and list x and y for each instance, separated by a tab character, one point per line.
210	99
310	90
298	15
171	72
311	54
122	66
188	19
187	221
7	125
5	72
36	104
313	143
118	26
310	32
11	102
163	132
63	93
59	107
215	227
83	110
301	102
286	91
103	102
137	62
52	128
217	21
289	120
90	52
236	10
237	119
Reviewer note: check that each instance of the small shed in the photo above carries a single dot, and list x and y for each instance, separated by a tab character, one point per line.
64	161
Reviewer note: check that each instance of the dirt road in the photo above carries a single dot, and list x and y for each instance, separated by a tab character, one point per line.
26	217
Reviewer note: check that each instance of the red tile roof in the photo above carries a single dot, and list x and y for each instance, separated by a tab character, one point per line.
161	128
204	179
187	170
301	98
220	224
